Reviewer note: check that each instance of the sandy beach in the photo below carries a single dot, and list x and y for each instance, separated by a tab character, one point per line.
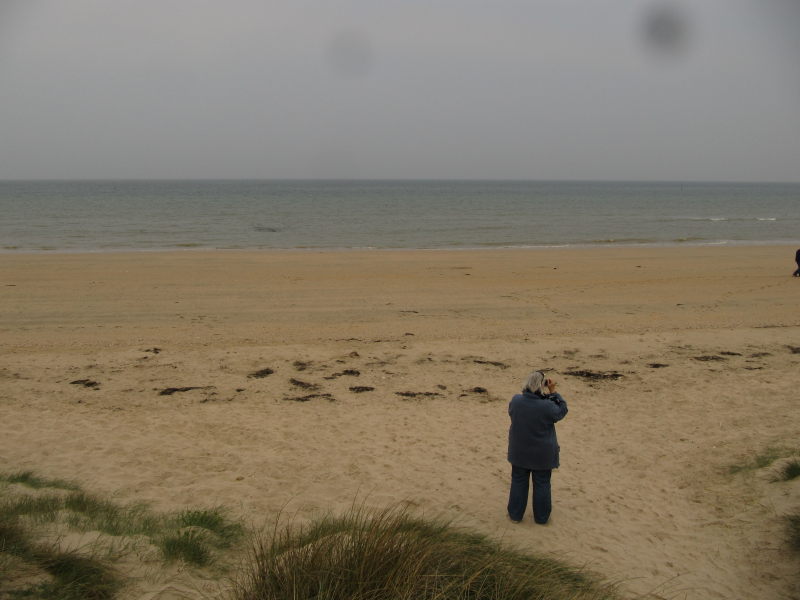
302	381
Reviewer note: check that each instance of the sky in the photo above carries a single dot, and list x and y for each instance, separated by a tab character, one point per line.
700	90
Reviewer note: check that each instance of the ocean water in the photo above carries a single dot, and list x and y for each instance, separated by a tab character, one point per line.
108	216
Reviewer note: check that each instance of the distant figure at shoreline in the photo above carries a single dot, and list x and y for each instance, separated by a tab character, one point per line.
532	445
797	260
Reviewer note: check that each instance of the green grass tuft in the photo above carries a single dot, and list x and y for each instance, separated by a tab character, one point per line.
76	577
790	470
13	536
762	460
225	533
188	546
389	555
794	530
71	576
31	480
207	519
39	509
111	518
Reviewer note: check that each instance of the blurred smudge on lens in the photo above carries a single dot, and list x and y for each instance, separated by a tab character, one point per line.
666	30
350	53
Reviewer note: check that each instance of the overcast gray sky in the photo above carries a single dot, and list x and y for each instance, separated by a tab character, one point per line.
523	89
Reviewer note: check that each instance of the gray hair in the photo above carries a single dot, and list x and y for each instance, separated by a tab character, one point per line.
536	383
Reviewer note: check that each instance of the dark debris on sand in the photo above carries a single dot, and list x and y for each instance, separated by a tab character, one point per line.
260	374
303	384
417	394
709	358
347	372
172	390
492	363
87	383
475	391
359	389
595	375
328	397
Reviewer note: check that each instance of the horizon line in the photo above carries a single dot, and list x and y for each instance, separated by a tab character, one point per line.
394	179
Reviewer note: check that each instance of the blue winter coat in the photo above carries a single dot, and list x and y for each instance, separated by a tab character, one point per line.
532	442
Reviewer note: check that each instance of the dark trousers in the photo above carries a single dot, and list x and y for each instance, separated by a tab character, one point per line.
518	496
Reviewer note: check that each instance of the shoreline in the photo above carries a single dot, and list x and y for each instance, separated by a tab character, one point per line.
488	248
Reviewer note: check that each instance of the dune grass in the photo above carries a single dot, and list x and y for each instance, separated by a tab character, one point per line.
224	532
188	546
788	471
38	509
70	575
763	459
14	538
760	461
76	577
29	479
362	555
92	513
196	532
390	555
41	568
793	522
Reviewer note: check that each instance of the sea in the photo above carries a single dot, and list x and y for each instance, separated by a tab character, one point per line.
139	215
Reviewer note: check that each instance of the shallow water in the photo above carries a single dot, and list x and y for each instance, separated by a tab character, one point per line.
78	216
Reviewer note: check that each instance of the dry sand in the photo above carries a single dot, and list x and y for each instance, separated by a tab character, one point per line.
705	340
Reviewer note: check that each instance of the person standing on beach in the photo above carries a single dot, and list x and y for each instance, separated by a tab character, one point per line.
533	446
797	260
